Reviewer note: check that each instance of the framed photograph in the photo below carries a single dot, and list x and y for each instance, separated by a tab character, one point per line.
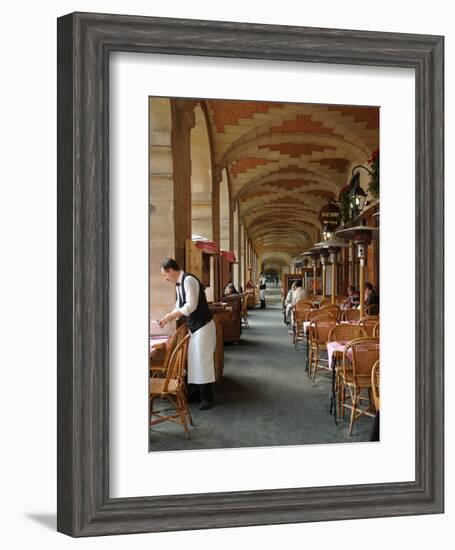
223	242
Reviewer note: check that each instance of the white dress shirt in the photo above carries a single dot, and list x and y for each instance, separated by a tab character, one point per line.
299	294
191	287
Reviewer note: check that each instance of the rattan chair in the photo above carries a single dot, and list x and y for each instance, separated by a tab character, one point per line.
172	389
359	357
343	333
373	309
303	304
351	315
336	311
299	314
244	311
325	302
368	324
376	330
159	369
320	328
375	385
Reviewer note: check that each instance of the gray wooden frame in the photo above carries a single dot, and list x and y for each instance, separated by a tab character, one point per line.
84	44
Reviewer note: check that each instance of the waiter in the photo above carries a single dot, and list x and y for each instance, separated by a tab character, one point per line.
192	304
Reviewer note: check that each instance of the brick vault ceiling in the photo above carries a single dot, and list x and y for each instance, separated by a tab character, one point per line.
286	160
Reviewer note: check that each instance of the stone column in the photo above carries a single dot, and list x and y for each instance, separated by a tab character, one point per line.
216	179
162	208
183	120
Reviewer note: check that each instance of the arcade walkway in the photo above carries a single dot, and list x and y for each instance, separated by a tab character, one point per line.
265	397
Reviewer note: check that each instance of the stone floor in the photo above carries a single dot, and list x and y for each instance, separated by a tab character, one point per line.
265	396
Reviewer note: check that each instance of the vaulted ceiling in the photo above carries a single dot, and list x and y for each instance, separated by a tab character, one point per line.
286	160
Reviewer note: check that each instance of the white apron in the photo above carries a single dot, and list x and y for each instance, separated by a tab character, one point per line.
201	349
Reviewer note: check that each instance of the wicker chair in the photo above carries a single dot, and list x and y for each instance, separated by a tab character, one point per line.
336	311
343	333
376	330
303	304
375	385
373	309
244	311
172	389
320	328
351	315
159	369
368	324
361	354
299	314
317	313
325	302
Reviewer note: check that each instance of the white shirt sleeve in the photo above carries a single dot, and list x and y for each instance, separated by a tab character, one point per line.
192	296
176	301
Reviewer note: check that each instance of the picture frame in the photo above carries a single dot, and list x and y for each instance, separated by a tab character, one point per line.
84	507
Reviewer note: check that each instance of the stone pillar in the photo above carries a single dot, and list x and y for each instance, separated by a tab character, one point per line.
231	225
183	120
216	179
162	208
239	249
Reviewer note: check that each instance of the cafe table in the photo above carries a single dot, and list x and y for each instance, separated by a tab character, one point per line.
157	342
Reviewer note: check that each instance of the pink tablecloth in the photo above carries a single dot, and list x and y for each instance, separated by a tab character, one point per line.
333	347
157	342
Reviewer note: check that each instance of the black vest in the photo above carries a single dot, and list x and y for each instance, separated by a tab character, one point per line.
201	315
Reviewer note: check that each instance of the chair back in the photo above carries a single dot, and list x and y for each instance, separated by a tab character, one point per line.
373	309
244	309
318	312
376	330
375	384
341	299
346	333
174	340
333	308
303	305
321	327
300	315
177	363
351	315
368	324
364	354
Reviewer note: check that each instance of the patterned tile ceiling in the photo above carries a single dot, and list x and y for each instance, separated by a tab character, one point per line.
286	160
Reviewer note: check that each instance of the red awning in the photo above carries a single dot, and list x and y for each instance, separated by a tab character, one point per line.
209	247
229	255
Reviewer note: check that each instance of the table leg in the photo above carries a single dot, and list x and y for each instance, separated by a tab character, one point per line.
307	352
333	398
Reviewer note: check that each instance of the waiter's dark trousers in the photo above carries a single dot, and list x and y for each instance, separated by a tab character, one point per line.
203	392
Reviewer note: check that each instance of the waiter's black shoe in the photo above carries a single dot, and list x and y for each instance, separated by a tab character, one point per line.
193	393
206	395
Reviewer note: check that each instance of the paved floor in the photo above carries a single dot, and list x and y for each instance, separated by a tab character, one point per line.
265	396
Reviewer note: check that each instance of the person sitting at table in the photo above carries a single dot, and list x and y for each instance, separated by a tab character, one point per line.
354	298
371	299
230	290
288	303
299	293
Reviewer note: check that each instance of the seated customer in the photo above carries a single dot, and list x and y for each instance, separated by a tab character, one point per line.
288	303
230	290
371	299
354	298
299	293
